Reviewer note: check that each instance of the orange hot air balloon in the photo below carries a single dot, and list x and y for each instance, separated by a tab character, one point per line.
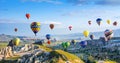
48	41
70	28
27	16
89	22
15	29
115	23
51	26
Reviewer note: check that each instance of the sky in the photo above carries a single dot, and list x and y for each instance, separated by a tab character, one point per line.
62	13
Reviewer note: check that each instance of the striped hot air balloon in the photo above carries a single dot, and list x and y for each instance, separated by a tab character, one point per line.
35	26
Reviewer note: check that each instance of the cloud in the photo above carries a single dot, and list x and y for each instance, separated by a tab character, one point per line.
11	21
95	2
46	1
53	22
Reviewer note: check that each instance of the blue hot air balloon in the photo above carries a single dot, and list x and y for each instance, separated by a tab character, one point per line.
98	20
83	44
48	36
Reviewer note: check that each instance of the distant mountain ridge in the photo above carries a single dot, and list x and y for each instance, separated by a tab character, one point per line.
4	37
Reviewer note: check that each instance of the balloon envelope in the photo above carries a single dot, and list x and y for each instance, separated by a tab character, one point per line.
15	29
70	28
67	44
51	26
16	41
27	16
49	42
83	43
63	45
91	37
89	22
108	21
73	42
35	26
98	21
115	23
48	36
108	34
86	33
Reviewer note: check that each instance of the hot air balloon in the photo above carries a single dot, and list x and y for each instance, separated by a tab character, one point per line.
73	42
108	34
70	28
48	36
51	26
67	44
92	37
15	29
108	21
86	33
63	45
83	43
115	23
27	16
16	41
35	26
49	42
98	21
89	22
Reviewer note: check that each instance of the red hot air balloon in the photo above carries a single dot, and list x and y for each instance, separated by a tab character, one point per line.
51	26
48	41
27	16
89	22
115	23
70	28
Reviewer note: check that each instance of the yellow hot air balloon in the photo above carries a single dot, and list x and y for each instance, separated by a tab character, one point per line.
35	26
86	33
108	21
16	41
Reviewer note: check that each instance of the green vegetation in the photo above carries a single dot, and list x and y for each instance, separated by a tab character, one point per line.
72	58
44	48
13	58
3	44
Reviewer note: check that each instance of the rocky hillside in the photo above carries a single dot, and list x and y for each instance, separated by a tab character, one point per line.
41	54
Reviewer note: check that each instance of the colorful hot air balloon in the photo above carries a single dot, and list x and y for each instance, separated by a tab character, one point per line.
73	42
67	44
89	22
108	34
15	29
115	23
98	21
83	43
16	41
108	21
91	37
48	36
49	42
27	16
63	45
86	33
51	26
70	28
35	26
